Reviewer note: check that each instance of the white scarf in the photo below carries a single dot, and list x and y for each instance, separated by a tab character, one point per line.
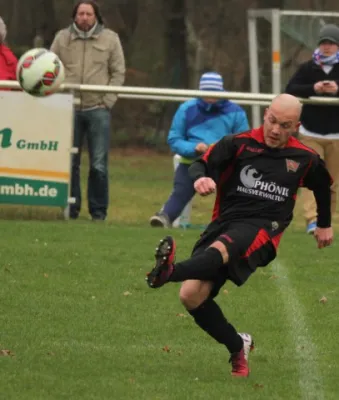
83	34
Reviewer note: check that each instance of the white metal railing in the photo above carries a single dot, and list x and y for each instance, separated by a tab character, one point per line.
166	94
309	13
274	15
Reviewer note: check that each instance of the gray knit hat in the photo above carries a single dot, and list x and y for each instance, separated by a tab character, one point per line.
329	32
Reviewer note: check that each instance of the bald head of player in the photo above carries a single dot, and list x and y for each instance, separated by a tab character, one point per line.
281	120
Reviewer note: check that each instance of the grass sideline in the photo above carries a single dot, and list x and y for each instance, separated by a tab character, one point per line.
77	320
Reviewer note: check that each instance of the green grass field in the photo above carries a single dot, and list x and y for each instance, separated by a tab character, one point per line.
77	320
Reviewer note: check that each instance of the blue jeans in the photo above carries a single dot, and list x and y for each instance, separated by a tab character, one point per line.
95	126
183	191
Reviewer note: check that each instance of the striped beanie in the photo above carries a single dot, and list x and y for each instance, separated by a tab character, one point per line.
211	81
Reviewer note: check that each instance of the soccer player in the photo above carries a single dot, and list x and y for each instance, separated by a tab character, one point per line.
256	176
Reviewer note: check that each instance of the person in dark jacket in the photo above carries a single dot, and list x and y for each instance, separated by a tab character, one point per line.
320	123
8	61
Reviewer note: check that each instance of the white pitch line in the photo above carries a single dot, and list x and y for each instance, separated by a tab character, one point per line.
310	379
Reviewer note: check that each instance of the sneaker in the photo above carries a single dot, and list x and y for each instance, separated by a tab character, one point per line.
311	227
98	218
164	259
240	360
160	220
184	225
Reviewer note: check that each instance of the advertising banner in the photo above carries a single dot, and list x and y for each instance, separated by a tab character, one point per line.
35	149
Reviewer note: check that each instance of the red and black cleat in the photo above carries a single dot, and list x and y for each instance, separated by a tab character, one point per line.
240	360
164	259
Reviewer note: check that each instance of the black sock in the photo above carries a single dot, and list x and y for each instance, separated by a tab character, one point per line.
203	266
211	319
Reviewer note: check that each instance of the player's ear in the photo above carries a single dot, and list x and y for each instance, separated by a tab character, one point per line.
296	133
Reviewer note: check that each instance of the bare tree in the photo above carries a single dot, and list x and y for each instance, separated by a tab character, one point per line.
44	21
175	42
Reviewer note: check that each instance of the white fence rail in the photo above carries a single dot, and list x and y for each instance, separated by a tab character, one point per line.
166	94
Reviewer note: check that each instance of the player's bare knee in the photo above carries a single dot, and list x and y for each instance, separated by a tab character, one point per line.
222	248
193	293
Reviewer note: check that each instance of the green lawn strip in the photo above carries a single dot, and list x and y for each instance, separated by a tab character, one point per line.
81	323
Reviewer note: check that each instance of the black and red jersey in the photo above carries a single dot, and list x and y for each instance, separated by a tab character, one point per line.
255	181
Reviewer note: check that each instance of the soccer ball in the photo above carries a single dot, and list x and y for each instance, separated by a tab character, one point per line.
40	72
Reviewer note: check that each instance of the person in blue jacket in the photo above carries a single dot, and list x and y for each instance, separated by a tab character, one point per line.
197	124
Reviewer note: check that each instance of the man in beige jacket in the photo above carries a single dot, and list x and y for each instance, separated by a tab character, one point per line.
91	54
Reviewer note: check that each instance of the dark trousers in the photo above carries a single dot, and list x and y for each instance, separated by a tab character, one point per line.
94	125
183	191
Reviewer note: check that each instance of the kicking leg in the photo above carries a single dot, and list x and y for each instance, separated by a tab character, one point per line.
203	266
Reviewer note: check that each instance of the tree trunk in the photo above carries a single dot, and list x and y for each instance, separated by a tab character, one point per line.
175	40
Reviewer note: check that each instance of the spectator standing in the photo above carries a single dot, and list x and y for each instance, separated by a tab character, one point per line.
92	54
8	61
320	123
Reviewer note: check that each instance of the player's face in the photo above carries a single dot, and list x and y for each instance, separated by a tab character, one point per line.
328	48
85	17
278	127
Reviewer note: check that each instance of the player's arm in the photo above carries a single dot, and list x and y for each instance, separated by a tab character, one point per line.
319	181
205	170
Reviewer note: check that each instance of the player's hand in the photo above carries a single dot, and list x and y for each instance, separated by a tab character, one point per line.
201	148
323	236
204	186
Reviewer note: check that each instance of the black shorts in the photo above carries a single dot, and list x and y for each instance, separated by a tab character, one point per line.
249	245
